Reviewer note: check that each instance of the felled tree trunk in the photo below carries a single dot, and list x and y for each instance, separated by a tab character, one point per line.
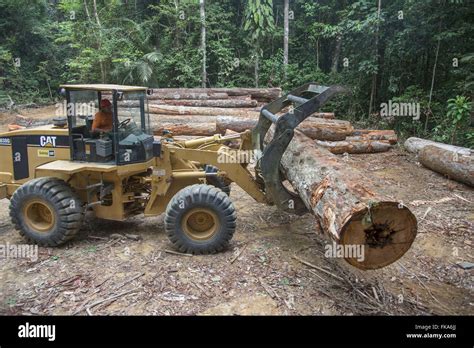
454	165
315	128
204	129
328	115
190	110
256	93
387	135
355	146
415	145
219	103
188	95
156	120
347	205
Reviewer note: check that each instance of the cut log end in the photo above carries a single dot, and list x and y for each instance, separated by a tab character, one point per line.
386	230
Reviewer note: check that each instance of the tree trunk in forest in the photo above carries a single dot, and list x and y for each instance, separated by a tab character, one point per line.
256	68
455	166
347	205
373	91
286	34
415	145
101	62
87	11
315	128
337	52
432	83
203	42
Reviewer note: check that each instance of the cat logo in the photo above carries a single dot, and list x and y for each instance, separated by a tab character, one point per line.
47	141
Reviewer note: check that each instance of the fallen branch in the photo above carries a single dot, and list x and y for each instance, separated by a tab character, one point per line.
175	252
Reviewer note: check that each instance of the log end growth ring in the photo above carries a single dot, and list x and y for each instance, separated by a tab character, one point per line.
386	229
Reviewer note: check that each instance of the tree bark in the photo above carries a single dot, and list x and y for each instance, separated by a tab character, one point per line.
190	110
222	103
157	119
355	146
415	145
385	135
203	129
264	94
188	95
455	166
347	205
315	128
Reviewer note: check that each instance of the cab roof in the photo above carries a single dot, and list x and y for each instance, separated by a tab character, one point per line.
103	87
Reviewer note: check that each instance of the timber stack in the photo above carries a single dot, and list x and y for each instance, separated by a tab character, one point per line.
209	111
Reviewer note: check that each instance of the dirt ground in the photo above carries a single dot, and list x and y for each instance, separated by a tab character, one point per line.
127	268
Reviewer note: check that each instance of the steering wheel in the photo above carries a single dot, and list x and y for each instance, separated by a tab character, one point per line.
124	123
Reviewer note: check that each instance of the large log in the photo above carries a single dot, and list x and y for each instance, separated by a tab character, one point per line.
156	119
256	93
454	165
219	103
355	146
188	95
415	145
328	115
386	135
203	129
347	205
190	110
313	127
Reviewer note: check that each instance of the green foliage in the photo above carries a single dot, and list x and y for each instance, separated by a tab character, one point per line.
455	127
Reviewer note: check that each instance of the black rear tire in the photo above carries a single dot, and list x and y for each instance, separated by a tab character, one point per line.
215	180
200	219
46	211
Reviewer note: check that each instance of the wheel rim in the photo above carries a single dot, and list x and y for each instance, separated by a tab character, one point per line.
200	223
39	215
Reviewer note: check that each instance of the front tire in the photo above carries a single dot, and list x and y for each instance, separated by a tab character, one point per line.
46	211
200	219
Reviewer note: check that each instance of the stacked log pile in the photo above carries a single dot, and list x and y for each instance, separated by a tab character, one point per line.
209	111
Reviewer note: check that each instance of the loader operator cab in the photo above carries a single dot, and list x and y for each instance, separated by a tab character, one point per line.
121	135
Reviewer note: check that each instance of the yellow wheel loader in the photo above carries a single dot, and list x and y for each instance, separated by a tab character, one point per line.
54	174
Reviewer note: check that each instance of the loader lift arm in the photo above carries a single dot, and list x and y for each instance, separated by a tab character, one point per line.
306	99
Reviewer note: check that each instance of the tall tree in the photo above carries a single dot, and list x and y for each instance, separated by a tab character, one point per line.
286	34
203	42
373	91
259	22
